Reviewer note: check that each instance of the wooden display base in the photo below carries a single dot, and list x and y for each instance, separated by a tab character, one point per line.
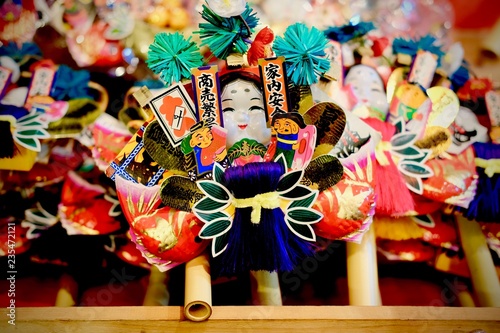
256	319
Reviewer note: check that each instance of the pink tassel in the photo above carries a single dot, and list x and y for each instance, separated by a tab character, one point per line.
393	198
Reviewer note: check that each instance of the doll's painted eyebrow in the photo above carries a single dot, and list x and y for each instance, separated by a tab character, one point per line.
252	99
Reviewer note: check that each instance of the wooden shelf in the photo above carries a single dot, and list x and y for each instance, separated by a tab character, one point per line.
255	319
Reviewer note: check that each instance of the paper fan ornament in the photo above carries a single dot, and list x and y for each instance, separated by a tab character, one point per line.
348	206
355	149
165	236
87	209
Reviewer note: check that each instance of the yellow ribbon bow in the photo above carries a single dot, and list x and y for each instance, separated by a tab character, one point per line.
269	200
490	166
380	150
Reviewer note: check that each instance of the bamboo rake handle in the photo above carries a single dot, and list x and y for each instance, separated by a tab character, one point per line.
483	273
198	289
362	272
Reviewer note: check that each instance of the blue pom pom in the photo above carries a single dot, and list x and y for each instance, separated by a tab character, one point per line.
412	46
11	49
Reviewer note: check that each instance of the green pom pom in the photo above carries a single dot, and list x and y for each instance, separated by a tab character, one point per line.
226	35
172	56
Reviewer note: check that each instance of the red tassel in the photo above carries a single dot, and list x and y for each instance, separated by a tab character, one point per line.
393	198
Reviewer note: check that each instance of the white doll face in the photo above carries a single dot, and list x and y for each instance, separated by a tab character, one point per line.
368	87
466	130
244	113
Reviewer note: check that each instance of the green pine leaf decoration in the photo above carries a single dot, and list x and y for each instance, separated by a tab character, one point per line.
411	152
399	123
282	161
172	57
304	51
32	223
289	180
298	192
33	124
415	184
30	120
426	154
37	213
303	215
215	228
226	35
403	140
304	231
218	172
214	190
305	202
209	205
29	130
210	217
219	244
414	169
32	133
424	220
29	143
33	232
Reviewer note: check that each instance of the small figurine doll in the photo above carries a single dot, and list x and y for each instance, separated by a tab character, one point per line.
393	197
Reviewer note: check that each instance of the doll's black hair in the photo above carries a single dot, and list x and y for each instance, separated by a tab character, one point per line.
295	116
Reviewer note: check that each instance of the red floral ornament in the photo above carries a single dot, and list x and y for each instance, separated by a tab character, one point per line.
474	88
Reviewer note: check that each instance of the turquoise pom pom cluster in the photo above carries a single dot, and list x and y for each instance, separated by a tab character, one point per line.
172	56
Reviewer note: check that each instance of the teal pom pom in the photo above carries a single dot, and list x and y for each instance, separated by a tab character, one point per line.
172	56
304	52
226	35
350	31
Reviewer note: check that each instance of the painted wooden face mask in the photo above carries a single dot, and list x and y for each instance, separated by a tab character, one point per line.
244	113
86	208
454	180
466	130
368	88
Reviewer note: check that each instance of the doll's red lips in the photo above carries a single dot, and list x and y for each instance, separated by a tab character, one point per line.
243	126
